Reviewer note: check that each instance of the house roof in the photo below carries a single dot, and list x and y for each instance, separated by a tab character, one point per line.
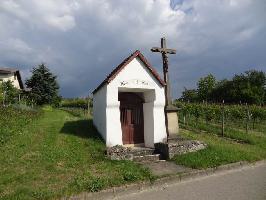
5	70
124	63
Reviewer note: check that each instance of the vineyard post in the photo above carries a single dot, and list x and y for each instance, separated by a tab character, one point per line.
223	118
88	106
247	117
188	117
206	121
253	124
4	96
184	118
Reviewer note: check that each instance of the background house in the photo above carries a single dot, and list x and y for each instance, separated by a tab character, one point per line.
13	75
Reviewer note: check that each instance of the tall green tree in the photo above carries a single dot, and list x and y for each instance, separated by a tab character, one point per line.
223	92
189	95
43	84
205	87
249	87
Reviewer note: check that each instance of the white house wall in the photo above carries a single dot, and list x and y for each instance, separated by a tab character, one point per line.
99	111
10	77
136	77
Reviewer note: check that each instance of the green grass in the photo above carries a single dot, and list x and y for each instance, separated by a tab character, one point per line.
12	121
59	154
221	151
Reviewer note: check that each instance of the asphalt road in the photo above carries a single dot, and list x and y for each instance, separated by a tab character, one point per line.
248	183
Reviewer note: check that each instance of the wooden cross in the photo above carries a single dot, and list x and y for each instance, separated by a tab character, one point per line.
164	51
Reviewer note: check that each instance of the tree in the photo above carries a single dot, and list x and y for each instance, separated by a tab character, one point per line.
10	93
43	84
205	87
257	82
1	93
223	91
249	87
189	95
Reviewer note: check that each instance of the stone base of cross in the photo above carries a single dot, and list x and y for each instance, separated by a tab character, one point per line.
171	115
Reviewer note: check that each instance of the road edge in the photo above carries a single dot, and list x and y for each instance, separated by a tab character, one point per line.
162	182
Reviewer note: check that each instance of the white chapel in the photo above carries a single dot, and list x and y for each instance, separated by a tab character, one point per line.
128	106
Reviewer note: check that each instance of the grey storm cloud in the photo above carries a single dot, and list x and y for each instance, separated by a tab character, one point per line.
83	40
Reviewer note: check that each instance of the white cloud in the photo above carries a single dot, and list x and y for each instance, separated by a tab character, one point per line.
63	23
78	38
16	45
13	8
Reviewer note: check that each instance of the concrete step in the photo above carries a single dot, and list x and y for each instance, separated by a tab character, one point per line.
145	158
142	151
176	138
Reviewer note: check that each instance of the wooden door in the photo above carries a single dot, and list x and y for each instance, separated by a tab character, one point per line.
131	117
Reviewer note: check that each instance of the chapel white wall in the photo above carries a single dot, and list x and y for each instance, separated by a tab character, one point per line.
99	111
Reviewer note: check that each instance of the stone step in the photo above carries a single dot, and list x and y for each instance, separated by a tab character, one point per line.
176	138
141	151
145	158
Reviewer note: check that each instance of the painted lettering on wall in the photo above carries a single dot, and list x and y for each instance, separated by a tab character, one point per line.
134	82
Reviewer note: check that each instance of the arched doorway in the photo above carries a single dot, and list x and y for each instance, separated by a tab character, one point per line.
131	117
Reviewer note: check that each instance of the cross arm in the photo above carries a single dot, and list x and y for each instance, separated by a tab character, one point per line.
163	50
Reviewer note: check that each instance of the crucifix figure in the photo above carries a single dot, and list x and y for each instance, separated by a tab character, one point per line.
171	118
164	51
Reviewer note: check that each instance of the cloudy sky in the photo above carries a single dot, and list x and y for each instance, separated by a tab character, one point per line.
83	40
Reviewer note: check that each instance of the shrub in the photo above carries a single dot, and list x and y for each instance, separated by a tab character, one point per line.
77	103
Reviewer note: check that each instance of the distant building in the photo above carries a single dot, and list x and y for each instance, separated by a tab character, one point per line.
13	75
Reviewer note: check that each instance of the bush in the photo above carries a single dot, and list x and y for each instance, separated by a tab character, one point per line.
8	93
214	111
77	103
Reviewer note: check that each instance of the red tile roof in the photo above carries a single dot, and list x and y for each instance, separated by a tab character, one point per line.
125	62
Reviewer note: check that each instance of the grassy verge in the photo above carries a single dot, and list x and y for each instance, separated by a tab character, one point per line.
230	132
13	120
60	154
221	150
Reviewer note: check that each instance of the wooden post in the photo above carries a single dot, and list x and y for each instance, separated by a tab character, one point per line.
4	97
223	118
206	117
184	119
88	107
165	51
169	108
247	117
